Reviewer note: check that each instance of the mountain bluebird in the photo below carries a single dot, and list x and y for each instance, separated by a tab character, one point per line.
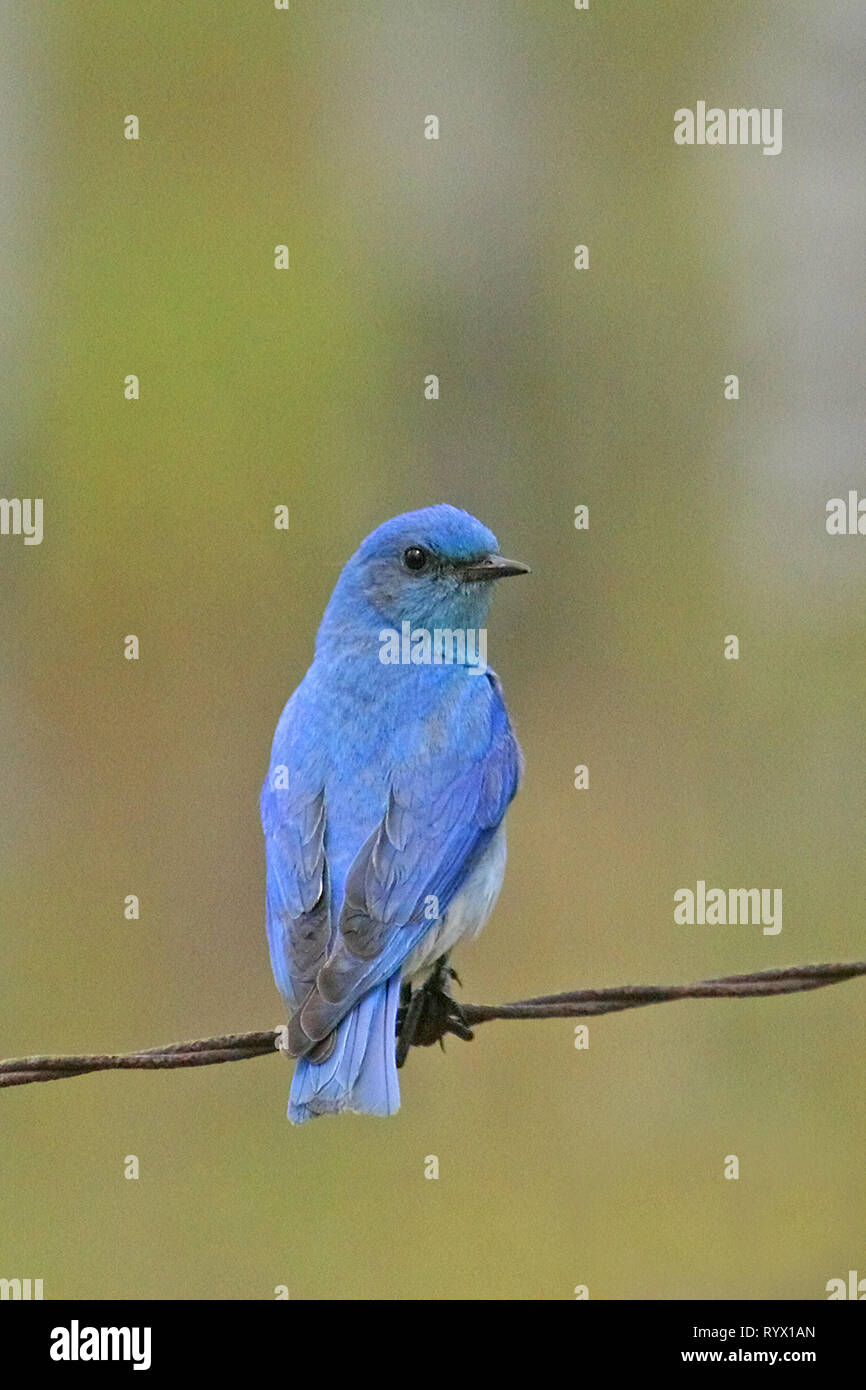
393	765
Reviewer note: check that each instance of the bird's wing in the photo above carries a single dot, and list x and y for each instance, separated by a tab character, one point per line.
298	907
443	810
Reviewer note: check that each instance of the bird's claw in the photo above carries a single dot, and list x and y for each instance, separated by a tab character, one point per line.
428	1014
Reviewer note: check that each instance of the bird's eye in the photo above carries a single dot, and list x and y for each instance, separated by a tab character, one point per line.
415	558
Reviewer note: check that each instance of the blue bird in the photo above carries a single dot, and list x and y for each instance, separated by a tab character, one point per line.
393	765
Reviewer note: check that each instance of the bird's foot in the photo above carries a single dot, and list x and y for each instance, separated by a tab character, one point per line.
427	1014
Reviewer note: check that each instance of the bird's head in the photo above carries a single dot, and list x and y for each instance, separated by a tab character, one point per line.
432	568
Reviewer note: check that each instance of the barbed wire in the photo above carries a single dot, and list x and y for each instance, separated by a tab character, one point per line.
582	1003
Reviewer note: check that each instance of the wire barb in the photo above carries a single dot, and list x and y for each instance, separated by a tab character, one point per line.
583	1003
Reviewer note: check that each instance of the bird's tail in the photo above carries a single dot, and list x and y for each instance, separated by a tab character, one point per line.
361	1072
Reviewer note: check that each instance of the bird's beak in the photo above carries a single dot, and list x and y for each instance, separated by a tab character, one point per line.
491	567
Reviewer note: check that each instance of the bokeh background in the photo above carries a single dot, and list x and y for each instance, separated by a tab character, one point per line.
305	387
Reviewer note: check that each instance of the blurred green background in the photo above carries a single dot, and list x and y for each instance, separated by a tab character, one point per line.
258	387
